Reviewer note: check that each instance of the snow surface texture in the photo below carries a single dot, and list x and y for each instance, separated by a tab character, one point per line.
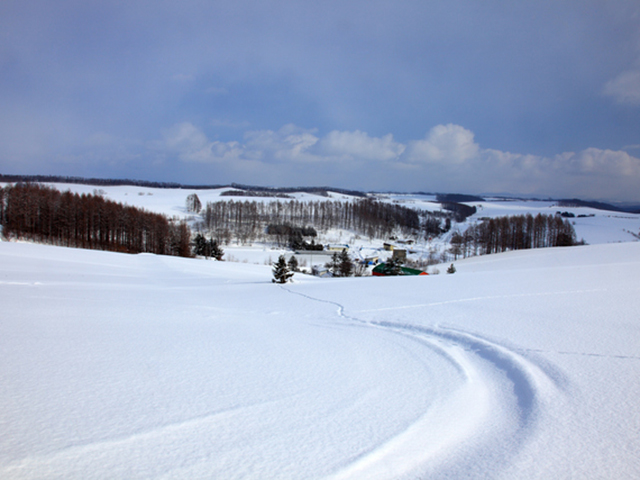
521	365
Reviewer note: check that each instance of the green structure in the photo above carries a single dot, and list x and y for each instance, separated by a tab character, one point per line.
384	270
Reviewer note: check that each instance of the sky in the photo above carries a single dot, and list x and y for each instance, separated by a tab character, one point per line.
532	98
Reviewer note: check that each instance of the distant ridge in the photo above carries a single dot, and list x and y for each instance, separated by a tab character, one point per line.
574	202
314	190
457	198
111	182
98	182
323	191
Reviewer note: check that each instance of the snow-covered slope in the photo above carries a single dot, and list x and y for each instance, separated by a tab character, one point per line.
521	365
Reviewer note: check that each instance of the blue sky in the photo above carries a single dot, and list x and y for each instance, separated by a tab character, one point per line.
536	98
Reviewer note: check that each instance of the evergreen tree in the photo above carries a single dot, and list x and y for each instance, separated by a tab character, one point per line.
215	250
334	265
293	264
200	245
207	248
345	265
394	266
281	272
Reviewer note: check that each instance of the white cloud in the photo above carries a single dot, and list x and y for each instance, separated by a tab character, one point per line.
290	143
625	88
603	163
449	144
447	159
591	174
192	145
360	145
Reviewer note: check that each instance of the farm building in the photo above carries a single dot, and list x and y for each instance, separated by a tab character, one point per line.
399	255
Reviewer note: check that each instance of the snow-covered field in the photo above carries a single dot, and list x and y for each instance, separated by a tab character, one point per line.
520	365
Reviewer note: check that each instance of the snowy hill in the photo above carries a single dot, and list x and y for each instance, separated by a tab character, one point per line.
520	365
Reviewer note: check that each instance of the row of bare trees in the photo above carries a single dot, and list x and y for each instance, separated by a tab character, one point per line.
45	214
246	221
516	232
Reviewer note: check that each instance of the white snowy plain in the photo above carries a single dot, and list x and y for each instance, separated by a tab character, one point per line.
520	365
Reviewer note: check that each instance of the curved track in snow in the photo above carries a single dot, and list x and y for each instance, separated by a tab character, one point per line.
499	396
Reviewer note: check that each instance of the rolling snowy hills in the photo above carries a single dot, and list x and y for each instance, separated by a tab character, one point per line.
521	365
591	225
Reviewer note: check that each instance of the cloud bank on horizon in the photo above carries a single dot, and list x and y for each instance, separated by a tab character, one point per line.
532	98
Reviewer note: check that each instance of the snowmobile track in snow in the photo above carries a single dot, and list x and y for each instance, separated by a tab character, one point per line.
492	378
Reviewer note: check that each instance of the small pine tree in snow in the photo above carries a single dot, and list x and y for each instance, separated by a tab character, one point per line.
345	267
334	265
207	248
281	272
293	264
394	266
215	250
200	245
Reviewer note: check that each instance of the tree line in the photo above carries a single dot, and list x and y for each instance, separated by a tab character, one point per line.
248	221
98	182
44	214
515	232
245	189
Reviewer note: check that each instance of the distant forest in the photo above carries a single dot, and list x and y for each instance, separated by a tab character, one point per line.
515	232
98	182
248	190
43	214
248	221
